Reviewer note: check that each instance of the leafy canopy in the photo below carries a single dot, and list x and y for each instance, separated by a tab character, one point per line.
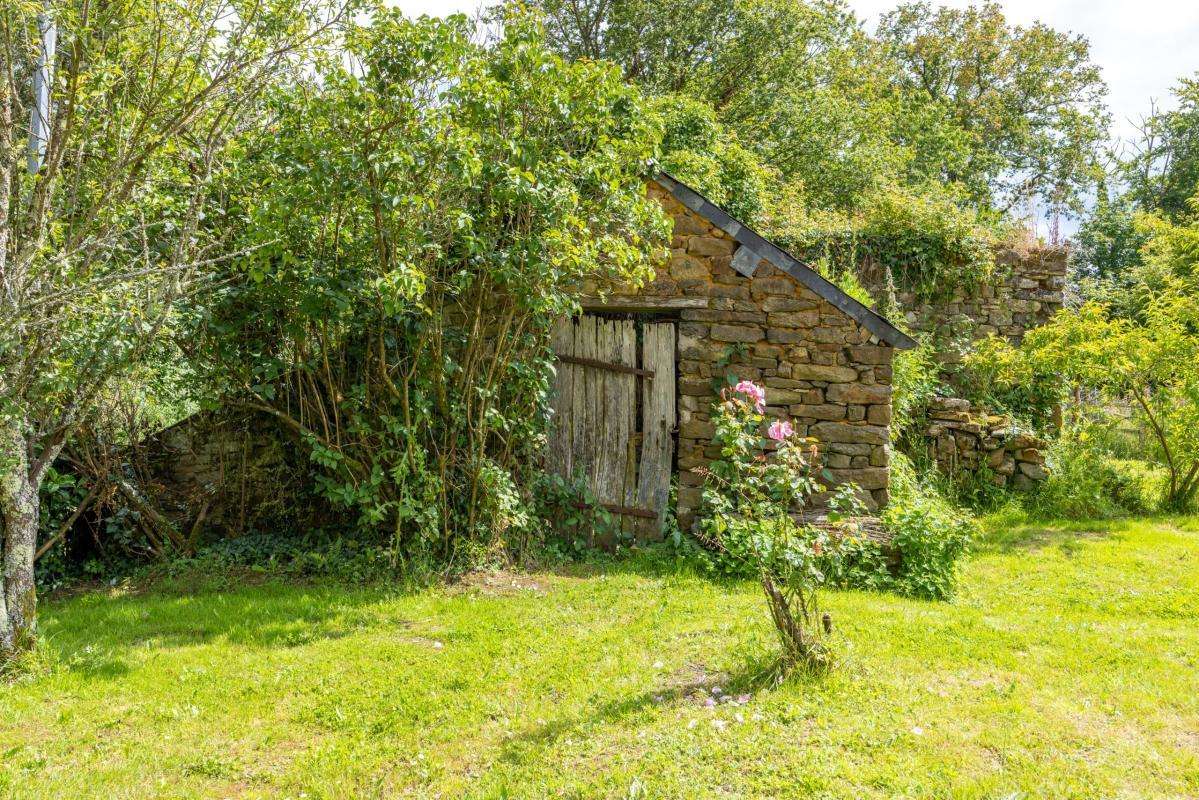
422	211
1152	362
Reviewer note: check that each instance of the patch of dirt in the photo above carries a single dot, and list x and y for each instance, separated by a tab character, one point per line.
694	684
497	583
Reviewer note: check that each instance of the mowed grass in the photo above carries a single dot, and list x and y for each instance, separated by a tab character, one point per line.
1068	666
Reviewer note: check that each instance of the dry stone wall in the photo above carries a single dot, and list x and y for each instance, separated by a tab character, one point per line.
820	368
238	471
962	439
1027	288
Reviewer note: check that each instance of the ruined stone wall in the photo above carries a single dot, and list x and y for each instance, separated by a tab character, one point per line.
237	471
1027	288
962	439
820	367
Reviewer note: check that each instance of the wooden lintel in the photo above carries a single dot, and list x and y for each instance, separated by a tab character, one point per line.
643	303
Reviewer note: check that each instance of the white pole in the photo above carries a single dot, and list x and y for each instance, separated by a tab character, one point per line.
39	122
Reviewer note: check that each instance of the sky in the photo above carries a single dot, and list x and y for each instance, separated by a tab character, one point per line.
1142	46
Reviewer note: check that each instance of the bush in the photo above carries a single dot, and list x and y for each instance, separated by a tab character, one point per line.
928	537
748	501
1000	378
1088	481
417	222
922	241
915	380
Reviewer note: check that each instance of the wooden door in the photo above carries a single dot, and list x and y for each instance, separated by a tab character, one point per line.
614	415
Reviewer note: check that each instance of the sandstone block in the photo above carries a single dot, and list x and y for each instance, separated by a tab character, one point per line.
821	372
768	286
856	393
851	434
870	354
1031	455
736	333
787	336
687	267
710	246
879	414
823	411
783	303
867	478
793	319
1034	471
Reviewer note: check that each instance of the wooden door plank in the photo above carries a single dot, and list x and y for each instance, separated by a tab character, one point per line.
584	345
599	473
658	421
632	436
558	453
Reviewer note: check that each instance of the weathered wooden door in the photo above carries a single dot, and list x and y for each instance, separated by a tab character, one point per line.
614	415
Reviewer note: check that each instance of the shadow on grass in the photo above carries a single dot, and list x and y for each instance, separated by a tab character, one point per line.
96	633
1032	536
1008	533
756	674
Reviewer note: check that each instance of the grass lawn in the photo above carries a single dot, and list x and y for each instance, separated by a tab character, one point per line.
1068	666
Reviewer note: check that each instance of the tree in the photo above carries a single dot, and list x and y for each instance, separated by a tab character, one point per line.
421	211
98	245
799	82
957	98
1026	104
1151	363
1163	173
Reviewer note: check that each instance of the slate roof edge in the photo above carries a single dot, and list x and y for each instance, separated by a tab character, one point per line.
763	248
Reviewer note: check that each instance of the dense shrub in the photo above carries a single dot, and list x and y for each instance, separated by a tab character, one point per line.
421	214
928	537
915	380
1002	379
698	150
919	241
1149	363
1089	480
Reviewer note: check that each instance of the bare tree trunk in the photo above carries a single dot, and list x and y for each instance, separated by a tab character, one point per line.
19	514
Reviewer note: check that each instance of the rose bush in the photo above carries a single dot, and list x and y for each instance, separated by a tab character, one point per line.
749	497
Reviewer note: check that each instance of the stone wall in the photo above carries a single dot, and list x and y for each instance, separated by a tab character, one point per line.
961	439
819	366
1027	288
237	470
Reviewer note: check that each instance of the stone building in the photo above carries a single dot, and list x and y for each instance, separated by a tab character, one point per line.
741	307
638	374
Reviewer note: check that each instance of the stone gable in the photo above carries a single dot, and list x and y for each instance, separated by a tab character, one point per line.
820	367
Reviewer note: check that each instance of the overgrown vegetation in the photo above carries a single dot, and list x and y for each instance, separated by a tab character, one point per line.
420	213
1151	364
867	145
103	211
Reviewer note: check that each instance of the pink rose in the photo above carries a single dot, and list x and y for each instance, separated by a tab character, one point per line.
755	393
780	430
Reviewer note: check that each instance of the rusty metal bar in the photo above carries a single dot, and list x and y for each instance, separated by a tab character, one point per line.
595	362
625	511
